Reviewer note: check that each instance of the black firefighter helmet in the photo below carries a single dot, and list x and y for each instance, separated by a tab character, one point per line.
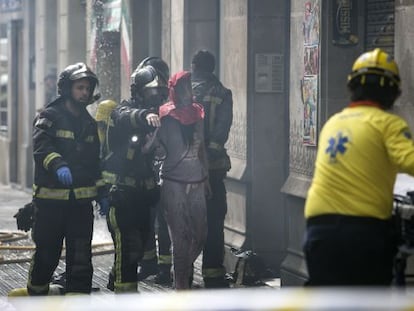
149	82
76	72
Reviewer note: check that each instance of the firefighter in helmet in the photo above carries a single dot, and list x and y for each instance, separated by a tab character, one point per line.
349	236
217	101
157	258
67	179
128	170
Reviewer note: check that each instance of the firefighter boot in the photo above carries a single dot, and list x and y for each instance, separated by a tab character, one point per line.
163	276
146	268
54	290
216	282
18	292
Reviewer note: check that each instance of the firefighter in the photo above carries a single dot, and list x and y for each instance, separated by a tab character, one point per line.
349	236
66	180
129	171
218	105
157	259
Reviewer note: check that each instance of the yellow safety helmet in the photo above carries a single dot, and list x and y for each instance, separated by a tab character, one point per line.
376	62
104	109
103	118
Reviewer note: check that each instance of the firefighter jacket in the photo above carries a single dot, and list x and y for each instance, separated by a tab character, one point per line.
218	106
125	163
61	139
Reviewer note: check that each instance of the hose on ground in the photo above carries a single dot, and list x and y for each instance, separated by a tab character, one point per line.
12	236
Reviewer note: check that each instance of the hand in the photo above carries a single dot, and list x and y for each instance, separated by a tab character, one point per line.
64	175
103	206
153	119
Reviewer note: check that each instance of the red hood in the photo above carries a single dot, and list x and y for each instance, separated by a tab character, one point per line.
186	112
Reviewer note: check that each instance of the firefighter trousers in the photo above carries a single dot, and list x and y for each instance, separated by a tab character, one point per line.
159	233
129	223
213	252
56	222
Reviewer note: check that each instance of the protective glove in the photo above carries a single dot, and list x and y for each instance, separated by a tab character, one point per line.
25	217
64	175
103	206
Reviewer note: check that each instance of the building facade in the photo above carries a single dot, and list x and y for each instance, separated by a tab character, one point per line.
285	61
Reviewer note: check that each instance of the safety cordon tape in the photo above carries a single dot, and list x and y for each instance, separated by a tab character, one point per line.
10	236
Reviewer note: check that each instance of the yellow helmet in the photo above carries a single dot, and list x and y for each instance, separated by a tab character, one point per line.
376	62
104	110
103	118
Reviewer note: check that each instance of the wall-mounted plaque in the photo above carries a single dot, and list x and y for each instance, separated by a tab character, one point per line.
269	73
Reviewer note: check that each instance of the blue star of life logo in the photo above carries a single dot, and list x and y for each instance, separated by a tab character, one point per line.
336	145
